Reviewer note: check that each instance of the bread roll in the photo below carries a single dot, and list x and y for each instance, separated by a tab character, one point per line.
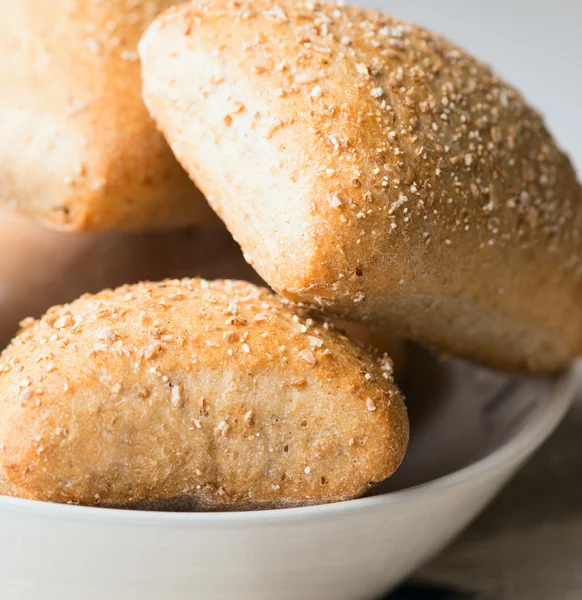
378	341
40	267
77	147
193	394
374	169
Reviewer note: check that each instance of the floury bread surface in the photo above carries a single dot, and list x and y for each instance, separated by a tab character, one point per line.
374	169
193	394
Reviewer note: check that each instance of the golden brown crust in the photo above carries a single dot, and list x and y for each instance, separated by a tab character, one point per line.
376	340
378	171
212	394
40	267
77	147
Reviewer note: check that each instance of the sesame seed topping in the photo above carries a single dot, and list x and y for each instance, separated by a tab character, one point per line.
276	14
335	201
177	400
370	404
315	341
63	322
223	428
315	92
308	357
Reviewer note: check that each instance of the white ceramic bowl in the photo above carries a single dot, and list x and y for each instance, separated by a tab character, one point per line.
465	446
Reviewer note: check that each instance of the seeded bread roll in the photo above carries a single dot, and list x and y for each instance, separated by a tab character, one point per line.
78	150
195	395
374	169
376	340
40	268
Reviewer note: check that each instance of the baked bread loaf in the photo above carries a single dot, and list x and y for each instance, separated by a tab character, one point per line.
193	394
77	147
378	171
40	267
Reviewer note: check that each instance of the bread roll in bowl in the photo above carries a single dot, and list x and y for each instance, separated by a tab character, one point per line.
40	267
376	340
193	394
373	168
78	149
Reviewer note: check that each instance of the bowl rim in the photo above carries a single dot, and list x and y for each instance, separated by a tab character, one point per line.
516	448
